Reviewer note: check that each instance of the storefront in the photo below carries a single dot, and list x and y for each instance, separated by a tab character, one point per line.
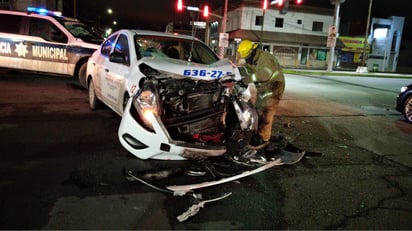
292	50
350	55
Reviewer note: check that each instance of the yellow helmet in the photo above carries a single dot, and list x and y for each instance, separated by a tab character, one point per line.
245	48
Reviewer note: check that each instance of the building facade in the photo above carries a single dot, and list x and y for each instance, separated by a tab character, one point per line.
385	39
298	38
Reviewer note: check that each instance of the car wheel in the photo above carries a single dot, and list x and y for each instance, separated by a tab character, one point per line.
407	109
82	75
94	102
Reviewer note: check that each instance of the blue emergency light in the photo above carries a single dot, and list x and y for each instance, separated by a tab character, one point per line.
43	11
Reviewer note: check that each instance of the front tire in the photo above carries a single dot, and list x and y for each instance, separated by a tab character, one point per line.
94	102
407	109
82	75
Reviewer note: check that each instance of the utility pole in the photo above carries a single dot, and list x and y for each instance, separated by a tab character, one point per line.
223	30
265	6
336	25
366	34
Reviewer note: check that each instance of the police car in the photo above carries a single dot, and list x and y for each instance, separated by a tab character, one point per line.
166	87
45	41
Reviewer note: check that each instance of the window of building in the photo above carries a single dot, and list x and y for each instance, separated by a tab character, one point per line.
279	22
299	21
317	54
259	21
317	26
394	41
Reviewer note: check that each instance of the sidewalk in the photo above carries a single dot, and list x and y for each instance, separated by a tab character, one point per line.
346	73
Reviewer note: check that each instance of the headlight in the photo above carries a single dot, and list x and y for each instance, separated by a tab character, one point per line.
403	89
146	100
146	106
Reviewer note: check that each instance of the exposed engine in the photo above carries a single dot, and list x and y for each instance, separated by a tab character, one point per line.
191	106
196	110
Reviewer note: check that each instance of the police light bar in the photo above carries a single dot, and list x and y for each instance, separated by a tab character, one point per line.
43	11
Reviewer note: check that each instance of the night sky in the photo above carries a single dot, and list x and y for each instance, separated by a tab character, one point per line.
155	14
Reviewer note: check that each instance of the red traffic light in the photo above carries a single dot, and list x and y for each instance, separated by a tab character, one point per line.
179	5
299	1
280	3
265	4
206	11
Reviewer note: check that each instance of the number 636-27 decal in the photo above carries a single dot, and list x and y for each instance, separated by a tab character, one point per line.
205	73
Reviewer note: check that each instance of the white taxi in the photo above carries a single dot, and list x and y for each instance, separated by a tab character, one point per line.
167	88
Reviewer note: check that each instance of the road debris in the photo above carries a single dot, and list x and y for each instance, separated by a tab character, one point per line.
194	209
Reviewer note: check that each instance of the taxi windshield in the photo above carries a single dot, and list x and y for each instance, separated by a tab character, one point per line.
177	48
80	30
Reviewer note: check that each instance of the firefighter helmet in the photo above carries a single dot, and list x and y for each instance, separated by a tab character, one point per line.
245	48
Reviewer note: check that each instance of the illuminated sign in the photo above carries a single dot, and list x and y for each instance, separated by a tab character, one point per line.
353	44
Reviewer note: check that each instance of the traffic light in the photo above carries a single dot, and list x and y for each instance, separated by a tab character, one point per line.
265	4
179	5
206	11
280	3
298	2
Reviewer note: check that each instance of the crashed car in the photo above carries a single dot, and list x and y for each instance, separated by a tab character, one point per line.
404	102
177	99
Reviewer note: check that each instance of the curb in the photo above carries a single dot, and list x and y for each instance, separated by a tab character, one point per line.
346	73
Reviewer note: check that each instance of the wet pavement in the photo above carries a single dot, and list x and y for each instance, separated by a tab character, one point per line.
61	167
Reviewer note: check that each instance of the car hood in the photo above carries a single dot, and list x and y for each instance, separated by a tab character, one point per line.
185	69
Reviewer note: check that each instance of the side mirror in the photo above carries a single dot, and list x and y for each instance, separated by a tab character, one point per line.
116	57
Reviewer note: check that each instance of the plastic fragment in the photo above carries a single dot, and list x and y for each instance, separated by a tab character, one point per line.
194	209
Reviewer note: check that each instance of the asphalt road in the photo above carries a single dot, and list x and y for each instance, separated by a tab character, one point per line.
61	163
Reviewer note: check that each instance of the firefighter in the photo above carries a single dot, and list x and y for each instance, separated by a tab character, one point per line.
265	72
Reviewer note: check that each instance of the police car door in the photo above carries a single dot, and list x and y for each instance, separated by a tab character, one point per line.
113	85
12	52
47	47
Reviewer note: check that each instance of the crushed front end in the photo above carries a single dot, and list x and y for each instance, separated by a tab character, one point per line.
173	117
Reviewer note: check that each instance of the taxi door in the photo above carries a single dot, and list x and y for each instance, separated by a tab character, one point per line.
113	79
47	47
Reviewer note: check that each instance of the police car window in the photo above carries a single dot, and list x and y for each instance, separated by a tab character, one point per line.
122	47
107	46
46	30
13	24
80	30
